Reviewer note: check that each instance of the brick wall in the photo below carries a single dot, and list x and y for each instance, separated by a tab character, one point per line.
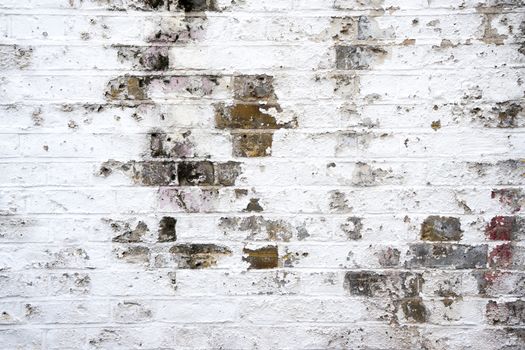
241	174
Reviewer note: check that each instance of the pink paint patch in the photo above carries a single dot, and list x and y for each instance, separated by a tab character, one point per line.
500	228
501	256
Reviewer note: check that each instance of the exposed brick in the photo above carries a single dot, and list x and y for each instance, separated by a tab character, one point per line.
441	255
510	313
358	57
505	228
252	145
196	173
198	256
384	284
245	116
441	228
262	258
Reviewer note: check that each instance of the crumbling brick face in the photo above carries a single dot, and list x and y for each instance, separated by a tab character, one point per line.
290	174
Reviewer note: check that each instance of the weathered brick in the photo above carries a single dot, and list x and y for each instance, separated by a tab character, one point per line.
246	116
384	284
505	228
262	258
510	313
252	145
441	255
358	57
441	228
198	255
196	173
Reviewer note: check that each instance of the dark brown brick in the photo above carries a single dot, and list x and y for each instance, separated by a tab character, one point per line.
245	116
262	258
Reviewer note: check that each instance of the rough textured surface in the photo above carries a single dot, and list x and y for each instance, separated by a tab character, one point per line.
241	174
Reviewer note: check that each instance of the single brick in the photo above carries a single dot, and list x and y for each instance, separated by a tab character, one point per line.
245	116
505	228
252	145
512	198
262	258
198	255
154	173
358	56
501	256
507	113
133	254
148	173
253	88
155	58
383	284
443	255
259	228
227	173
495	283
510	313
167	229
441	228
196	173
128	235
128	88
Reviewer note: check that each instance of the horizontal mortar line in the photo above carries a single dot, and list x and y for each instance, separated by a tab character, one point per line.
474	158
295	186
234	322
223	213
270	161
306	41
302	271
350	244
188	72
197	102
227	72
244	273
242	325
445	130
263	187
419	42
207	297
422	101
65	41
277	12
172	213
152	215
282	244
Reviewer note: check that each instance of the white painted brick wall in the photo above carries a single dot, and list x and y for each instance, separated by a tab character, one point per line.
292	174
